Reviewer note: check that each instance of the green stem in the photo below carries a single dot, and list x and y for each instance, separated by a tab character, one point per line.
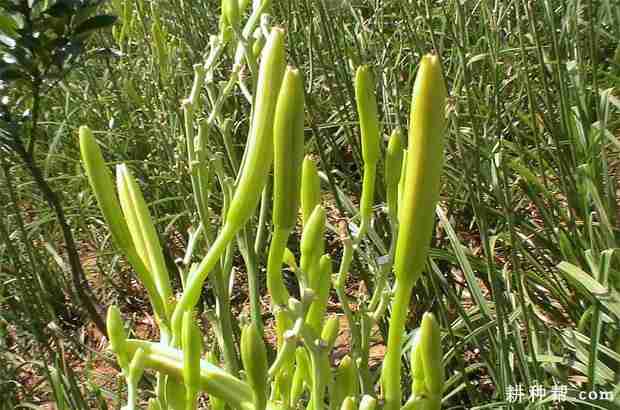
261	232
318	380
254	19
227	139
132	396
391	364
223	313
213	380
285	353
220	279
143	273
275	283
251	264
366	322
191	400
160	390
366	202
200	174
345	264
219	102
244	49
190	296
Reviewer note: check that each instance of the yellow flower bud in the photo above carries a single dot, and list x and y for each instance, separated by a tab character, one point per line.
288	134
424	167
260	141
310	188
254	357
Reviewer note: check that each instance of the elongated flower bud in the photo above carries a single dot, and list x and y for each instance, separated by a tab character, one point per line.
253	175
134	374
368	113
254	357
432	357
117	336
230	12
136	367
260	141
288	137
142	230
311	245
330	331
417	210
243	5
313	230
310	188
348	403
286	354
226	31
102	184
302	375
418	384
368	403
288	134
317	310
192	350
215	381
393	169
424	167
403	175
369	127
259	42
346	381
289	259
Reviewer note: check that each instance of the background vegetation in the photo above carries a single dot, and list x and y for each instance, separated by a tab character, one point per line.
524	272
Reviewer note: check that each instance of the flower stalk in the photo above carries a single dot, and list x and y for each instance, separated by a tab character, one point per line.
416	214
